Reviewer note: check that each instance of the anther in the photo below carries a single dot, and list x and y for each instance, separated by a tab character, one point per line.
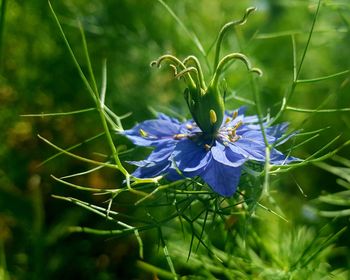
234	115
179	136
239	124
189	126
143	133
228	120
207	147
212	116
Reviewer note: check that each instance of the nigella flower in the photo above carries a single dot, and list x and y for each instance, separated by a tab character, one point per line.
215	144
182	146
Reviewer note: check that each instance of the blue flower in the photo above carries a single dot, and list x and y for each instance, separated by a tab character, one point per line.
181	149
216	143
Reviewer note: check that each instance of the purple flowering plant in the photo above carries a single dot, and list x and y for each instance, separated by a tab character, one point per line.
216	143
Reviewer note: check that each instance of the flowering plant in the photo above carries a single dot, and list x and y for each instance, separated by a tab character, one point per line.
216	143
220	147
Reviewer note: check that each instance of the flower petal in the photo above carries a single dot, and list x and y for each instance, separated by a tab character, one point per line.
160	153
221	178
277	158
254	150
227	156
190	157
163	116
153	132
153	170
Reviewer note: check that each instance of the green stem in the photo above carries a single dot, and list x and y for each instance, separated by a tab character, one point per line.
3	267
155	270
297	70
37	232
100	108
2	28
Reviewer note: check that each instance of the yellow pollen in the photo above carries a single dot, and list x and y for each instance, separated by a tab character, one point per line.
207	147
228	120
212	116
234	115
238	125
143	133
179	136
189	126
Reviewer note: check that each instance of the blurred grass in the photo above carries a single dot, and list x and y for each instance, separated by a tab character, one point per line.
37	76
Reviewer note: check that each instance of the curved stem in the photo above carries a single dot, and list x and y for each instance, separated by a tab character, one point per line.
187	71
195	61
225	28
223	62
175	61
174	68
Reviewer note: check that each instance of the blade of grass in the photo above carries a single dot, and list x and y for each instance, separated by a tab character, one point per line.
190	34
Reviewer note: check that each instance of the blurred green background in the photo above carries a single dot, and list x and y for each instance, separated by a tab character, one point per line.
37	75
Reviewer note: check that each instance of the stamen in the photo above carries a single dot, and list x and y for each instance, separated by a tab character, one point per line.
232	136
189	126
143	133
207	147
179	136
234	115
212	116
239	124
228	120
